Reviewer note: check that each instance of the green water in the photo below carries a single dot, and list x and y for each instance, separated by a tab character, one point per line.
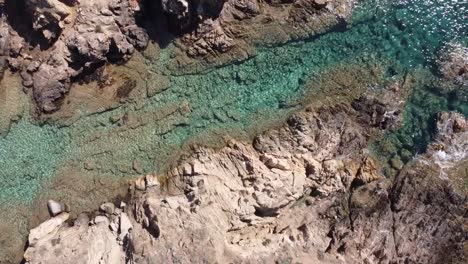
239	98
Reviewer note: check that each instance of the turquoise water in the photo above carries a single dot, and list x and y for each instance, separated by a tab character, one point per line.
240	98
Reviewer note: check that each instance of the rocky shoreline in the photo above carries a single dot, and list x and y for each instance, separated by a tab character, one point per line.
53	43
235	204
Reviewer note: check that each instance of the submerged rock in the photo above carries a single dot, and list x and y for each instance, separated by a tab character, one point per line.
454	64
107	208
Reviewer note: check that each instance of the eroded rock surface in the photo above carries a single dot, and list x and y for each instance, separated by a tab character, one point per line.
102	242
240	24
101	31
82	36
69	39
420	217
308	192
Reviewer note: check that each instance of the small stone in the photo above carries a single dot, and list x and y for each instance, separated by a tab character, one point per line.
124	168
28	83
107	208
309	201
140	184
81	220
137	167
115	118
54	207
89	165
100	219
122	204
396	163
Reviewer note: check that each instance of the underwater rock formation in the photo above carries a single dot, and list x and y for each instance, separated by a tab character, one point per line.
454	64
311	190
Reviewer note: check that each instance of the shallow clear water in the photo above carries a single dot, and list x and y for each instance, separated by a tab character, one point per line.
239	98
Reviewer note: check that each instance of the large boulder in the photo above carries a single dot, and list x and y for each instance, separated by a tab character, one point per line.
100	31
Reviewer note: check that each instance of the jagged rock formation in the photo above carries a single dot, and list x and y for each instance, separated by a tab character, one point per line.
81	38
236	204
48	16
307	192
232	34
71	39
421	216
100	32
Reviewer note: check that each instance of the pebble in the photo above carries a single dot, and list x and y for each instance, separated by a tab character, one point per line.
101	219
54	207
137	167
397	163
107	208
